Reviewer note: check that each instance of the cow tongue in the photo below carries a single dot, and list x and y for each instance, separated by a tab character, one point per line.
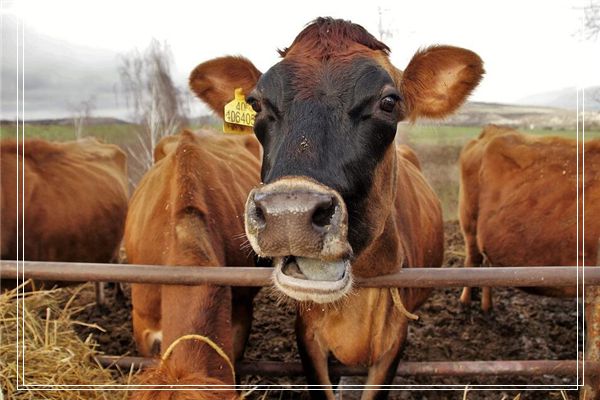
290	268
318	270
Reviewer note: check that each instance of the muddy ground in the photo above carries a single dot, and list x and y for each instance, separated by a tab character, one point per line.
522	326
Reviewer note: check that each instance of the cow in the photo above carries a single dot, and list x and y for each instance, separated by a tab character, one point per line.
518	205
74	200
338	201
188	210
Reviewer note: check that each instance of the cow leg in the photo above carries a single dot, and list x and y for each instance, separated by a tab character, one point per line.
146	318
468	199
486	291
591	390
242	309
473	259
465	296
119	292
384	371
100	297
486	299
314	362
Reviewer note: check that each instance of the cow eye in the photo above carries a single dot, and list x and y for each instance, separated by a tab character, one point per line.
388	103
254	103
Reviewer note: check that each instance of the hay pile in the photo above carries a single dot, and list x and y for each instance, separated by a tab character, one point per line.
54	354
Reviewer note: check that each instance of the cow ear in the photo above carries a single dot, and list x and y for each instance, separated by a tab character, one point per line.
438	80
165	146
215	81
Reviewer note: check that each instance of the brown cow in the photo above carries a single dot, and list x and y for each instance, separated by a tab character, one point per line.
188	210
338	201
74	196
518	205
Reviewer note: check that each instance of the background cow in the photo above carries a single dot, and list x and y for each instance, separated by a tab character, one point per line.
74	200
338	201
518	205
188	210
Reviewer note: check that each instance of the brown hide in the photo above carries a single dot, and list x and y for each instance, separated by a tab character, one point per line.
188	210
406	152
412	237
75	200
518	201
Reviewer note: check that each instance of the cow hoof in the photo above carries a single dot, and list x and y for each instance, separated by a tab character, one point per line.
155	349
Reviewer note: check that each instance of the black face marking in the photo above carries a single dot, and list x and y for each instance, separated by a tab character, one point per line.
325	122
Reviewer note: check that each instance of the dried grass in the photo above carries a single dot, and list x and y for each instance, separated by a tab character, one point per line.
54	354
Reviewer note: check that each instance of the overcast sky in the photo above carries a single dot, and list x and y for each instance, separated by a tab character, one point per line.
71	48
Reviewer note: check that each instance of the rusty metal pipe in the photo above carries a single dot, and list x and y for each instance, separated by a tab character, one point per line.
410	368
250	276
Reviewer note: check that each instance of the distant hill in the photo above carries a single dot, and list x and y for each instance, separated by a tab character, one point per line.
519	116
203	120
565	98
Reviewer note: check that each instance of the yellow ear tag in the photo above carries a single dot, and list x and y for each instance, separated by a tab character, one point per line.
238	115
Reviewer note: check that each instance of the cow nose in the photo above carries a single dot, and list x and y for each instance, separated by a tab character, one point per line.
299	220
307	211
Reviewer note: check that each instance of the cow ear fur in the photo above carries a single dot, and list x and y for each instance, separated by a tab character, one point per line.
438	80
215	81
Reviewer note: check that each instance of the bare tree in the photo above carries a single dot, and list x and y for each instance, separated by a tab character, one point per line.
591	20
82	113
385	23
155	103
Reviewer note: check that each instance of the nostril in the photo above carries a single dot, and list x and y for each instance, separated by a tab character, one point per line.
323	213
259	216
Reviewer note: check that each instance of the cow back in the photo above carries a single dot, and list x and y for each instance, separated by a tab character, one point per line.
196	178
525	193
74	199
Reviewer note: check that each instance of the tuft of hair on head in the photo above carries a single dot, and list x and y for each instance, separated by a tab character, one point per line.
325	35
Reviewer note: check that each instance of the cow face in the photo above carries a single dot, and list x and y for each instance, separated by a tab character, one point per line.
326	118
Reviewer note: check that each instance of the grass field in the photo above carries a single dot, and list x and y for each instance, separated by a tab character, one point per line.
438	148
112	133
442	134
424	134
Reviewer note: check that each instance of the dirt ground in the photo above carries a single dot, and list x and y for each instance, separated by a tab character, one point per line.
521	327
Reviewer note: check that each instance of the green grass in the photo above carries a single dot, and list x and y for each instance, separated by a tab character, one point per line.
416	134
110	133
449	135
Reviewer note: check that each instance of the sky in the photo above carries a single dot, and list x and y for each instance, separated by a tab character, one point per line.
72	48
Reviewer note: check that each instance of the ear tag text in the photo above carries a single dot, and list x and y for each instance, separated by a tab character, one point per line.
238	115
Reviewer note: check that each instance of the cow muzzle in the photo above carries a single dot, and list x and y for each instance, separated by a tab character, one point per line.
303	226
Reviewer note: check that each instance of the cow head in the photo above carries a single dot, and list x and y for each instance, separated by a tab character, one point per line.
326	118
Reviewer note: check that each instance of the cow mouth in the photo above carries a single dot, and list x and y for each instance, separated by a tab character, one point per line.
310	279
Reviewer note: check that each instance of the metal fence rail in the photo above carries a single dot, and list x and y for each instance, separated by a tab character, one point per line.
406	368
250	276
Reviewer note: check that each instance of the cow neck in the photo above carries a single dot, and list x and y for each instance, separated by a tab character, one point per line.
384	255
